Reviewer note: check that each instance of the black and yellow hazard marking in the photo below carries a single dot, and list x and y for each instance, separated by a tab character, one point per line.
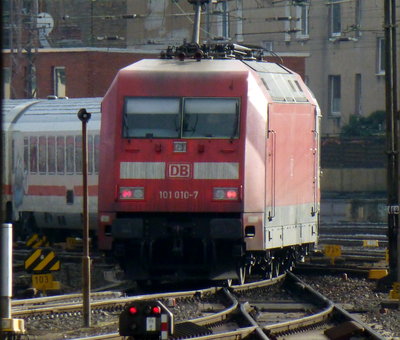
42	260
36	241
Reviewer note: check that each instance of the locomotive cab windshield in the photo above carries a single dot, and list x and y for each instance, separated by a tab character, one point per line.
181	117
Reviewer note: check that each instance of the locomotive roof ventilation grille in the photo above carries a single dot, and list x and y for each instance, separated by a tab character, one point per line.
279	81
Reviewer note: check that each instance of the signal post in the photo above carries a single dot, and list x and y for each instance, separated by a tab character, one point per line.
9	326
86	286
392	139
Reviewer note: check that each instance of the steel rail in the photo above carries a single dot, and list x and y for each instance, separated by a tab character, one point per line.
330	310
110	303
25	307
238	334
58	298
326	314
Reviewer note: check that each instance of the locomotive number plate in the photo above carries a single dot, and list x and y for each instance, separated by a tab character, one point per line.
178	195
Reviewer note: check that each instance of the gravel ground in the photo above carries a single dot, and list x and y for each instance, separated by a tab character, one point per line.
353	294
359	295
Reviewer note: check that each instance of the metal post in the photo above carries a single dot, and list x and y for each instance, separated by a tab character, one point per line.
392	126
196	26
84	117
5	270
396	125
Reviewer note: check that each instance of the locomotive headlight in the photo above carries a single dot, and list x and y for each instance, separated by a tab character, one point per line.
228	194
131	193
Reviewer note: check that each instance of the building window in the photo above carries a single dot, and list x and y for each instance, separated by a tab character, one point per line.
358	94
336	20
30	81
381	56
59	81
334	95
267	45
6	83
287	26
302	24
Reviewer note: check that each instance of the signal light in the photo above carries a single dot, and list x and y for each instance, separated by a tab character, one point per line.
156	310
231	194
132	310
131	193
227	194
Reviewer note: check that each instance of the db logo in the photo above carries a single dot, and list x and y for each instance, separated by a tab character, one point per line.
181	170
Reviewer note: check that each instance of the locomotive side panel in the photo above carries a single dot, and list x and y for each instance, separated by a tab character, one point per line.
255	164
291	202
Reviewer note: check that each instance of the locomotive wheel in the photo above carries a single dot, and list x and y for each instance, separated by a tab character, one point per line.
290	265
242	274
276	269
268	274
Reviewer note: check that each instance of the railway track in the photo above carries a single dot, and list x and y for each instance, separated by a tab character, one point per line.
353	235
260	310
363	247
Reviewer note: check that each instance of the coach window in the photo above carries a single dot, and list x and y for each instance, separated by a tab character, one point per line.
70	149
33	150
60	155
26	154
151	118
211	118
90	154
42	155
51	155
78	154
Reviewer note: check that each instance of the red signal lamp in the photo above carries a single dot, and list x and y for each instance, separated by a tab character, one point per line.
132	310
126	193
156	310
231	194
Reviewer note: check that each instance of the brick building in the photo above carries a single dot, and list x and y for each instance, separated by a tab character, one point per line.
86	72
343	41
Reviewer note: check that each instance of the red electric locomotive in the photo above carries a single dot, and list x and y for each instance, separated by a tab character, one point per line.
208	169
